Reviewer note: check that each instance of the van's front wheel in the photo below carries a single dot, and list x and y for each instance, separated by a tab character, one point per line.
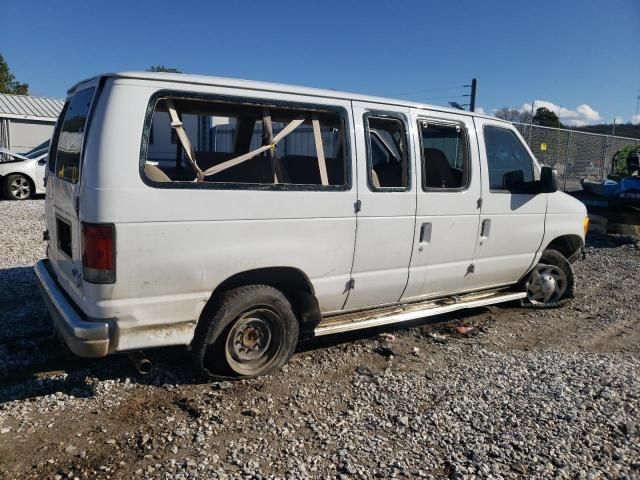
551	283
248	331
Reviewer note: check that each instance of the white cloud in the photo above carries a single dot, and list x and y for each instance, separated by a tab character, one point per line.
618	120
588	113
480	110
582	115
635	119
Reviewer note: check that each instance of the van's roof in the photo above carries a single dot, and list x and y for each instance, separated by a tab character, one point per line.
273	87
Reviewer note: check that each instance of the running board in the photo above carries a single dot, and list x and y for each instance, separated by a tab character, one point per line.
412	311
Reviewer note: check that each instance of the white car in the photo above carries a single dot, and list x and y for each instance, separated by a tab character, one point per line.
24	177
288	212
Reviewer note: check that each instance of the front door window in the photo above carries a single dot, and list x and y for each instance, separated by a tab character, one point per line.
509	163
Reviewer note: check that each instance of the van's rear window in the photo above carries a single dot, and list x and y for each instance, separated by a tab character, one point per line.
69	139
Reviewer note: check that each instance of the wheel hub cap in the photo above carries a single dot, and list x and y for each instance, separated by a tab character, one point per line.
546	284
20	188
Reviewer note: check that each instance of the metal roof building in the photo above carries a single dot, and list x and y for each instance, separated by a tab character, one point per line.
30	108
26	122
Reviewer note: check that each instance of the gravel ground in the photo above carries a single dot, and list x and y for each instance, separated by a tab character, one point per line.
525	394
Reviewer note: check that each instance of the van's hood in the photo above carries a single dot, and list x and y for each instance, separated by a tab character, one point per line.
560	202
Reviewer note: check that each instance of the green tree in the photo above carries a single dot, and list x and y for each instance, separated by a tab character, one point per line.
546	118
162	68
8	83
513	114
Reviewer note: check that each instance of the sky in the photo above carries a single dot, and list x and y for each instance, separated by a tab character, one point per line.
579	58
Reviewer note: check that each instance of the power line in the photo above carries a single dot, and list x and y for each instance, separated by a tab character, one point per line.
427	90
445	96
471	95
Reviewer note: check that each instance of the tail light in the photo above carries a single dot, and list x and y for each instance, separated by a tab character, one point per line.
98	253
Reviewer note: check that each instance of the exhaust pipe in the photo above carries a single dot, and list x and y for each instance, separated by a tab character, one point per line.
140	362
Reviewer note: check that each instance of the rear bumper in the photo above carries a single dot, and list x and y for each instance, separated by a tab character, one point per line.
84	338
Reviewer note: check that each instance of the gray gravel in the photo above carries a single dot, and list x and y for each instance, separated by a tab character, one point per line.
21	227
533	394
23	320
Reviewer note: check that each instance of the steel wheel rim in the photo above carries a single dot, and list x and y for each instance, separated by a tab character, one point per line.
546	284
20	188
254	341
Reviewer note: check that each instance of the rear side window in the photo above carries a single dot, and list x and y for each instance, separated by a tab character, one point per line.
51	160
241	144
68	141
445	156
510	165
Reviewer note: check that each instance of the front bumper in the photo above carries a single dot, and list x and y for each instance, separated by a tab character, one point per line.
84	338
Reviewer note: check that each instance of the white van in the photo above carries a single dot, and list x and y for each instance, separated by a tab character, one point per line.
284	212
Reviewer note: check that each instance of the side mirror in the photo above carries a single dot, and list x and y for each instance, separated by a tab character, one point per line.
513	181
548	180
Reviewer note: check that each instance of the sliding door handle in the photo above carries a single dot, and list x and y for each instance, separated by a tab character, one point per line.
486	228
425	233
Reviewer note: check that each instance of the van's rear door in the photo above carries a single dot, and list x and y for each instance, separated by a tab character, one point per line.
64	183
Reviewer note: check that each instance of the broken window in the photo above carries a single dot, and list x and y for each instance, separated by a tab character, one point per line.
246	143
388	161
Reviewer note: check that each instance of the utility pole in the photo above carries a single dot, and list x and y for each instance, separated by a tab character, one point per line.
531	120
472	95
613	130
472	101
533	103
636	117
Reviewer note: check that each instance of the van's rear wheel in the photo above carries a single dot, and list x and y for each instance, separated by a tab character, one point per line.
551	283
248	331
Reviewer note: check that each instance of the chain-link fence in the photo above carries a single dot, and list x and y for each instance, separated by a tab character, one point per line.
575	155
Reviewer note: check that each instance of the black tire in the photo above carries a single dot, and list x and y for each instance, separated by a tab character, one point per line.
554	259
245	332
17	187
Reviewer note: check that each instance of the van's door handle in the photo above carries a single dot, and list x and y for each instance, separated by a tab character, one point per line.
425	233
486	228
